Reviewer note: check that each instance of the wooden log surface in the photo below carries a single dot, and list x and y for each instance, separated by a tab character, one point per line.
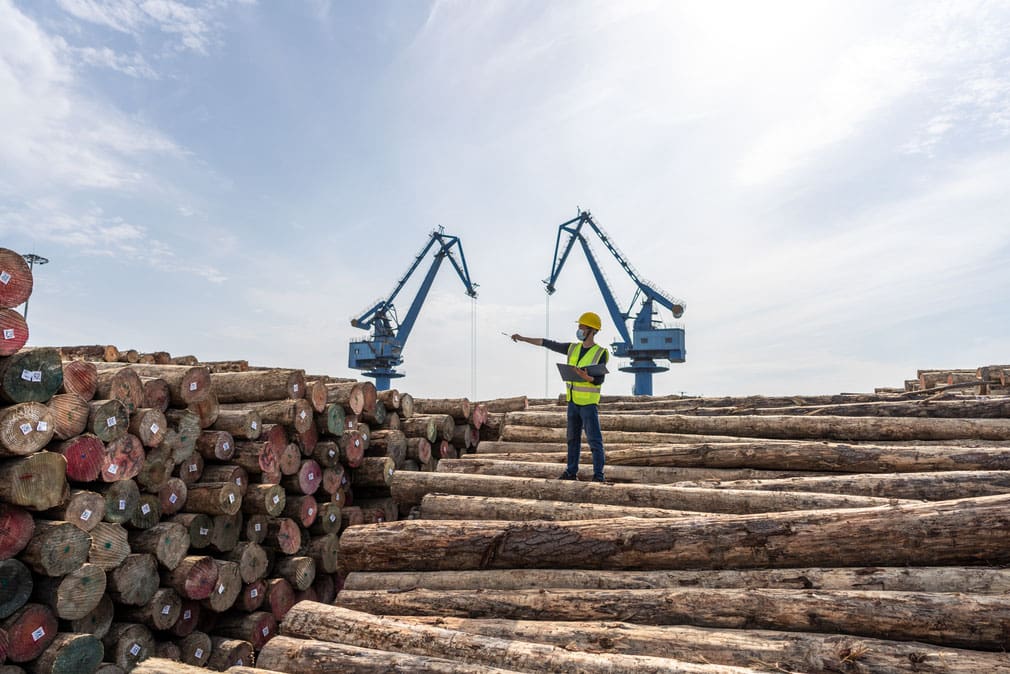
186	384
971	621
70	653
79	377
785	651
338	624
73	596
109	545
36	482
454	507
70	415
258	385
16	280
969	579
56	548
15	587
25	428
788	427
478	464
31	375
967	531
29	631
408	488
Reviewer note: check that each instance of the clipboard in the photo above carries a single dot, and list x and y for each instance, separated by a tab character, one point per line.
568	372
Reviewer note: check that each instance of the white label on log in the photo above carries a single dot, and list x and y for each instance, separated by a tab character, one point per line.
254	593
277	499
302	414
220	590
226	446
380	518
198	653
173	497
122	504
312	476
192	386
26	428
239	663
42	426
146	509
26	375
5	278
86	515
343	479
333	453
204	532
312	511
155	428
110	422
192	467
38	634
294	388
8	333
166	609
238	481
254	425
265	631
333	518
187	615
257	526
231	498
113	469
135	650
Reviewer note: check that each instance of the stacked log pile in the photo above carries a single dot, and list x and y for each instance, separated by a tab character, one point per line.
170	509
852	533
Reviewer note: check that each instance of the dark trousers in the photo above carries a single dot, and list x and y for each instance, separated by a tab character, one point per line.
587	418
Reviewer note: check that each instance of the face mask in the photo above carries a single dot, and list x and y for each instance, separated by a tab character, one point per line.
581	334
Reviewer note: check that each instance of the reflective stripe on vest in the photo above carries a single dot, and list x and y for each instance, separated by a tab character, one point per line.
584	393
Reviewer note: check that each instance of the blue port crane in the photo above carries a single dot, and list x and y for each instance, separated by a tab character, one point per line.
650	340
379	355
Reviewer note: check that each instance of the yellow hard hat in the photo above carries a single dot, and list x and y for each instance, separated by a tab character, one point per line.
591	320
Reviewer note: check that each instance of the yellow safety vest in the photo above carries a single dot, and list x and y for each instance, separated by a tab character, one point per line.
583	392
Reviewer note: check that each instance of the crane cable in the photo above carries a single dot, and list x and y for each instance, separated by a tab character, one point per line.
547	334
473	348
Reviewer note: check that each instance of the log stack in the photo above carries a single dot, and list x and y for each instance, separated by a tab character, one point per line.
153	506
808	533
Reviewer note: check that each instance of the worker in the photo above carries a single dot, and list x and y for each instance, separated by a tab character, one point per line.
583	398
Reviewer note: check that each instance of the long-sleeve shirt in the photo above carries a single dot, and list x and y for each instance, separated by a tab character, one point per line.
562	347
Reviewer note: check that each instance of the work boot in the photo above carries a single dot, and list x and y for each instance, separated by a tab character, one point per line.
599	479
567	476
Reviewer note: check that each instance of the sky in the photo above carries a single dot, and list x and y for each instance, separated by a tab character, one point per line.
824	184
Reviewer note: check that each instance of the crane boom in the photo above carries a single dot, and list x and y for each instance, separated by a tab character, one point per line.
379	355
648	341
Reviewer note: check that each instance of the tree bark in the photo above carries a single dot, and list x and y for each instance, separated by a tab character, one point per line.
409	487
350	395
420	427
258	385
296	413
816	456
374	471
969	621
449	507
458	408
785	651
257	628
338	624
186	384
789	427
485	465
968	531
228	652
244	424
213	498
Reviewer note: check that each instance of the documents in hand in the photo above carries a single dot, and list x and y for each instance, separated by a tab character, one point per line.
568	372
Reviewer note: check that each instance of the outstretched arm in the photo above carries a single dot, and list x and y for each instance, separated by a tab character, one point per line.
535	341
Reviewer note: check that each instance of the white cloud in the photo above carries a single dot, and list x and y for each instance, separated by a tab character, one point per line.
134	65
